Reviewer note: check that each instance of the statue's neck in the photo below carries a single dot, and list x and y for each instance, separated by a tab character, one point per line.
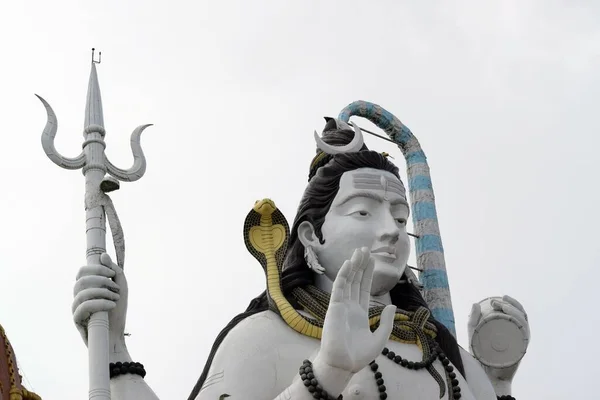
324	283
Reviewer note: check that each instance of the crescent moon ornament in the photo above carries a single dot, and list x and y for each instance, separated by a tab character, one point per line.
353	147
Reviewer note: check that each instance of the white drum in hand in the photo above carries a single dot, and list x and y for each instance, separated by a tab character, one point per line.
499	340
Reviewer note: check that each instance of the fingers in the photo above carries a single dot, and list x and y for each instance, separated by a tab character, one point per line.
496	305
100	287
511	310
355	290
514	303
508	309
357	280
382	333
100	270
350	274
83	312
339	284
355	261
475	315
95	281
94	294
365	284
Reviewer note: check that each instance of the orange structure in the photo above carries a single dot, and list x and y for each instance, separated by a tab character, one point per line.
11	387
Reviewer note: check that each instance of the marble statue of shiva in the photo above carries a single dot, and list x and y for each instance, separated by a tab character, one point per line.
342	316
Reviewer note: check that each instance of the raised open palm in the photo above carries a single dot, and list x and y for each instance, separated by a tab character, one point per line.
347	342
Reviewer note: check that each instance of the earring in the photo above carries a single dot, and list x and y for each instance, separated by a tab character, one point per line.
312	261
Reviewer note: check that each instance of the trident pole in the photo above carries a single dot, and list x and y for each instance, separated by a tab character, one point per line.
98	207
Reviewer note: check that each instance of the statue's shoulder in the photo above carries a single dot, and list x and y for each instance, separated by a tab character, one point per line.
261	334
261	343
264	327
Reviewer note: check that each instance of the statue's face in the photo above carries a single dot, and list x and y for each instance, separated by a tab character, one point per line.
370	210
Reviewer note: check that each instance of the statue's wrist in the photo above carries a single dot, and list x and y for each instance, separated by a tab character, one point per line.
333	380
501	387
118	350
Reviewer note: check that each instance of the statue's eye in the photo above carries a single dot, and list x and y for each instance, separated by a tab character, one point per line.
401	221
361	213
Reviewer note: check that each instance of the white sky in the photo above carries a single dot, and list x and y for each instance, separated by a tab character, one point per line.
502	95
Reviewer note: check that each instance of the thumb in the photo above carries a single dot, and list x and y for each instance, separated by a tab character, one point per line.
107	261
119	275
386	323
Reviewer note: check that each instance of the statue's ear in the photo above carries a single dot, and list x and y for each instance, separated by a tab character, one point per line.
307	235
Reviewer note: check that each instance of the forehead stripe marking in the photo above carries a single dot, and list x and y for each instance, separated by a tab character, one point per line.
366	175
373	181
378	186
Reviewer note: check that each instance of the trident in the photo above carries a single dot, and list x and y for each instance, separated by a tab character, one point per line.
98	208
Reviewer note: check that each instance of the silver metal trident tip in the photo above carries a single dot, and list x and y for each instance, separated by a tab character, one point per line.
93	106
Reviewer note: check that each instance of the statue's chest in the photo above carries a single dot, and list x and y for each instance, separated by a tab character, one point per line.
402	383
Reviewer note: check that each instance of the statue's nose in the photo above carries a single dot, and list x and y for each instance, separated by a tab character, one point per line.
391	238
389	230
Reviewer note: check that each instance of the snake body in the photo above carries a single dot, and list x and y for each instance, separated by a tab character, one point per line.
266	234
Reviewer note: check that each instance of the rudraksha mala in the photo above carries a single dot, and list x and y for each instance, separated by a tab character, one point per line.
122	368
311	383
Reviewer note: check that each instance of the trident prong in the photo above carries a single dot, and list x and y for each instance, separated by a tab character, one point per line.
48	142
139	161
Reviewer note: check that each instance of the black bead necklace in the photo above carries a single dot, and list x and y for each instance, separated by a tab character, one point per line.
436	353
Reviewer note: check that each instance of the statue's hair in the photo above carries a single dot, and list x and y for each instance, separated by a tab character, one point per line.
324	180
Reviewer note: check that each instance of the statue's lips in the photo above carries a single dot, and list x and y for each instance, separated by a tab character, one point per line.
388	252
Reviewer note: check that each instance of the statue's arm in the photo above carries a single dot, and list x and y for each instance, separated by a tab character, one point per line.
256	360
129	386
478	381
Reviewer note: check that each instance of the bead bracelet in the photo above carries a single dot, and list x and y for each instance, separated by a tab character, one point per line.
122	368
308	378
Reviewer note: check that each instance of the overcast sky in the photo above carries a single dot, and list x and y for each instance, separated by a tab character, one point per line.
502	95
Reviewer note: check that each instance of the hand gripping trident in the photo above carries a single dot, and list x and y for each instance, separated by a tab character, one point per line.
98	206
